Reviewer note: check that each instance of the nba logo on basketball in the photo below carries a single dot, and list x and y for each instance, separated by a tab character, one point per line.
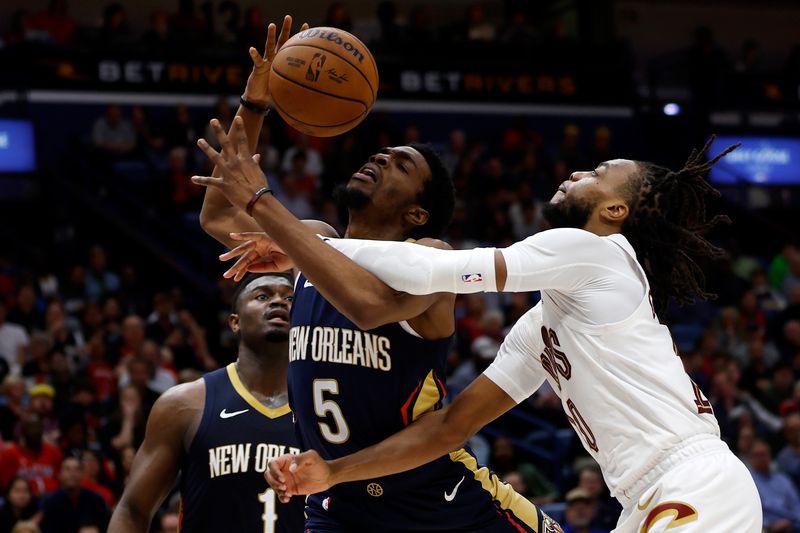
315	66
472	278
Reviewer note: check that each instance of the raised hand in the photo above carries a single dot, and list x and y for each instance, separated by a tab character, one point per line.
257	90
240	174
258	253
295	475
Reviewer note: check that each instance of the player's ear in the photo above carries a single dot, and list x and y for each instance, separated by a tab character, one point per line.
614	211
233	322
417	216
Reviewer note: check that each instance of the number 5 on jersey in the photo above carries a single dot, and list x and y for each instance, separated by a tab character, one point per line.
339	432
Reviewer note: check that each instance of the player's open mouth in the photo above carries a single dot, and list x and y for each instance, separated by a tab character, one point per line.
369	173
278	317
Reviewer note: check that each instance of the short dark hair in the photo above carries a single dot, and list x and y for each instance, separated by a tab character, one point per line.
438	195
250	276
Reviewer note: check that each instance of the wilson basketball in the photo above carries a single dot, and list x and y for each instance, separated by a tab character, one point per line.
324	81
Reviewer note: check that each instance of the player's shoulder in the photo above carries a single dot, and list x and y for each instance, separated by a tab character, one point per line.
434	243
180	398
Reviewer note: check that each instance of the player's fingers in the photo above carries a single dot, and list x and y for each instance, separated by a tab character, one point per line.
214	156
286	29
236	252
240	138
255	56
269	50
272	478
257	159
223	138
304	27
207	181
234	269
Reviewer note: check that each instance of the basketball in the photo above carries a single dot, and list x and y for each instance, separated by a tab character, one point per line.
324	81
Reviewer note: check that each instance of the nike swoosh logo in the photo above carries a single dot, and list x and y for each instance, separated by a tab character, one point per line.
307	284
645	505
223	414
452	495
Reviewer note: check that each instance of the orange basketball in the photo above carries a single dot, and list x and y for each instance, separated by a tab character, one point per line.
324	81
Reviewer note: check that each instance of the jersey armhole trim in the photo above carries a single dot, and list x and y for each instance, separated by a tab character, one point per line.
408	329
252	400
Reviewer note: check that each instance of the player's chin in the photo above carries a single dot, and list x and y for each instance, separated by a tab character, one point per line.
277	333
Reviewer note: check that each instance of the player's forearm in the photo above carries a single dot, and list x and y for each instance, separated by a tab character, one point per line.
348	287
426	439
423	270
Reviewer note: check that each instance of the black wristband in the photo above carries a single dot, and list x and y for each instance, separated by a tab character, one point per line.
256	196
253	107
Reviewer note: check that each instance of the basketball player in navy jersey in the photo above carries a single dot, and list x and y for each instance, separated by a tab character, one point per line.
219	432
366	361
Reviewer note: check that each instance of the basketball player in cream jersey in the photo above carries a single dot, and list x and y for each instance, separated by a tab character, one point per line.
625	230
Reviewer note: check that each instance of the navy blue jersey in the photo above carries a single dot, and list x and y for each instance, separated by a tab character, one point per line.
350	389
222	483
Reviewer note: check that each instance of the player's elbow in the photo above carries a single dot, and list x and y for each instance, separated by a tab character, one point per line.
128	516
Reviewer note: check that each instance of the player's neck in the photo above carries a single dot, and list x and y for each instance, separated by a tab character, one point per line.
373	230
264	373
601	228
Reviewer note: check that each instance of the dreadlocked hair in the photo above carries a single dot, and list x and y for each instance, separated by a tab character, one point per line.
667	224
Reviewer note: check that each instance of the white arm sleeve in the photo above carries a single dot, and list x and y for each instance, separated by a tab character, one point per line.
517	369
416	269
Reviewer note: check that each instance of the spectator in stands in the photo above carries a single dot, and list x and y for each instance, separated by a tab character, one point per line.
38	357
170	522
100	281
157	34
477	28
71	508
253	31
386	14
270	157
112	134
19	504
11	408
526	475
26	526
779	498
183	194
162	379
780	268
780	388
608	509
41	398
27	312
788	458
140	373
291	195
790	341
180	131
31	458
185	26
313	164
55	22
132	336
115	30
579	513
518	31
18	30
13	342
337	16
125	427
92	467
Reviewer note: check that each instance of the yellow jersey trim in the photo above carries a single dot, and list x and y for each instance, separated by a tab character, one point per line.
500	492
428	397
247	396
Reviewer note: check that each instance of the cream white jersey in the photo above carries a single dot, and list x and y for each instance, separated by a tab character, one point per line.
596	338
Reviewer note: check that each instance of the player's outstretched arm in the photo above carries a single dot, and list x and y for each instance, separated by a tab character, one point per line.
364	299
158	461
218	217
433	435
